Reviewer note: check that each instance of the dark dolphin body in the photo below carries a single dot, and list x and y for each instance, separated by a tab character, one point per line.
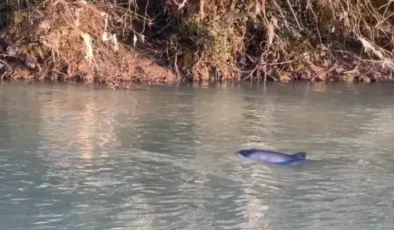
272	157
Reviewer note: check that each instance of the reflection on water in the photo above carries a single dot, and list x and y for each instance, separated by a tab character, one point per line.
164	157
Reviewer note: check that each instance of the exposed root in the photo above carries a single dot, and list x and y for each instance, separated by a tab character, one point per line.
201	40
66	39
282	39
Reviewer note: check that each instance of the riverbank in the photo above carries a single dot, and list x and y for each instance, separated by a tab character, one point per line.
168	42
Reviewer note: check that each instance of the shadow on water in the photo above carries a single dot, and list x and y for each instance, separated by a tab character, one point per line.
304	163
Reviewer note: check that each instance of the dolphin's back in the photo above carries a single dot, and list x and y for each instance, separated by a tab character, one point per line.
272	156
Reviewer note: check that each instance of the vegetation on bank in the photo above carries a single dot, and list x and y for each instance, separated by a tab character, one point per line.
115	41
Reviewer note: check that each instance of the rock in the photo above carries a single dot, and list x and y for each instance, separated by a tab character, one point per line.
365	79
89	78
285	77
339	70
12	50
375	76
305	75
29	63
2	35
348	78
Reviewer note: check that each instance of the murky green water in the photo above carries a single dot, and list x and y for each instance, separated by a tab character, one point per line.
73	157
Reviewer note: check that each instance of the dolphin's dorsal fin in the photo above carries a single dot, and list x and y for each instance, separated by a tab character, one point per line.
300	154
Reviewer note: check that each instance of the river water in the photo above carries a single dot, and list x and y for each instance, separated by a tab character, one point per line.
77	157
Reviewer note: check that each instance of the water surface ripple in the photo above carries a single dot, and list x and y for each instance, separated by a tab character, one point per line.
74	157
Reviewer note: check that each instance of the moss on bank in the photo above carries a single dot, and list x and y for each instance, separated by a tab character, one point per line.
168	41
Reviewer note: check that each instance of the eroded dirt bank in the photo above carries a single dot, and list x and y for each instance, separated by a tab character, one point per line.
154	41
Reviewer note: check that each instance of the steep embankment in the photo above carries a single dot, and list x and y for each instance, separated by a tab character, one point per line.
166	41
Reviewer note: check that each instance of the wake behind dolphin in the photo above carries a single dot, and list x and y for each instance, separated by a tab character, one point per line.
268	156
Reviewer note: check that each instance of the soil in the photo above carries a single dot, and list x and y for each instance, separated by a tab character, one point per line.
154	42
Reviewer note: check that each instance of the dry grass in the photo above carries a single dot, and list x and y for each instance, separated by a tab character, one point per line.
348	40
65	39
282	39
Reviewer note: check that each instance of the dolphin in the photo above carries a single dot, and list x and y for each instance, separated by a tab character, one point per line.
268	156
